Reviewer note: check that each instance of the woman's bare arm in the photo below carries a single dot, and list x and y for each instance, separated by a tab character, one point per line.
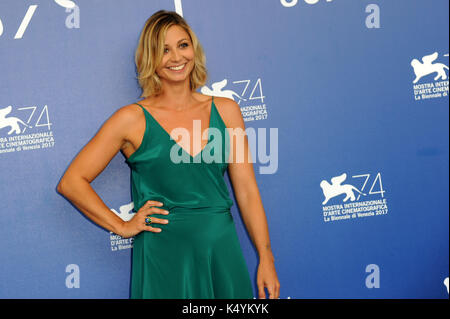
242	176
90	162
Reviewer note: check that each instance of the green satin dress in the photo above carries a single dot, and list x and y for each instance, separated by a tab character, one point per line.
197	255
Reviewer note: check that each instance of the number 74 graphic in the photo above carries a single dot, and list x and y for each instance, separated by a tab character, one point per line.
377	179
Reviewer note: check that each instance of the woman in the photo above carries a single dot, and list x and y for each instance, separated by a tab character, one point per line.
185	243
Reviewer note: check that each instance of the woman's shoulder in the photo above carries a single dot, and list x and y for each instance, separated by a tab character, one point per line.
127	114
227	102
129	110
219	101
229	110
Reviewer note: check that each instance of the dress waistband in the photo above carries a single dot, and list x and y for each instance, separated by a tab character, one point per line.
198	210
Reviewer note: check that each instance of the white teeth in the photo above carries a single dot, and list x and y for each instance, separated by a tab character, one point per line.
178	67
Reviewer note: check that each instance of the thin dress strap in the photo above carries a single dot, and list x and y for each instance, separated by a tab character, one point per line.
144	110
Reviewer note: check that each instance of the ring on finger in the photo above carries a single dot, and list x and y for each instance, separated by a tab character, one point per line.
148	220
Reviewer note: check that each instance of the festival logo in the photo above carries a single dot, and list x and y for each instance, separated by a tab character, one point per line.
126	213
29	130
342	200
12	121
254	108
431	79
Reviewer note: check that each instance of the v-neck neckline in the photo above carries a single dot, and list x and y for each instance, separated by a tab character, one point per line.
173	140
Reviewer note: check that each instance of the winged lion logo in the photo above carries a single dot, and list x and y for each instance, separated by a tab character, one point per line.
428	67
12	121
335	189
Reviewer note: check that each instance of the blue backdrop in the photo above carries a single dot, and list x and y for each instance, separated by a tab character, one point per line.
353	97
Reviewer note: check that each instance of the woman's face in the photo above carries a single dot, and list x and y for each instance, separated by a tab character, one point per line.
179	53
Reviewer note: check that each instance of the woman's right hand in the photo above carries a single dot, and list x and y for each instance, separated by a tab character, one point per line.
137	224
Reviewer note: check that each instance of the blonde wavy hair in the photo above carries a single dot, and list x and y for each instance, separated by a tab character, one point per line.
150	50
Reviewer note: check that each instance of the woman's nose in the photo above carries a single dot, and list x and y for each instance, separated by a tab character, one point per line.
175	55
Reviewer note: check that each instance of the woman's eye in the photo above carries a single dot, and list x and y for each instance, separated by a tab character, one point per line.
184	45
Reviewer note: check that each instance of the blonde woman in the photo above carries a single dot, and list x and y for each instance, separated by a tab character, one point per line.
185	242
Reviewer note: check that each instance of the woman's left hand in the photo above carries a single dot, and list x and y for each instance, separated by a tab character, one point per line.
267	277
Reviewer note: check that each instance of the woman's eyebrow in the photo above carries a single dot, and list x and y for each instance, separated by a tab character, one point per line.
178	41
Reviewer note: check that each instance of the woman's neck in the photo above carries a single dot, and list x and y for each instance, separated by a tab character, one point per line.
175	96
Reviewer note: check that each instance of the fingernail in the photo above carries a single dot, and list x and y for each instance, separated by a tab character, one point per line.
167	211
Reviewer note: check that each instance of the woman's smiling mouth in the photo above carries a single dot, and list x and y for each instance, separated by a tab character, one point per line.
177	68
